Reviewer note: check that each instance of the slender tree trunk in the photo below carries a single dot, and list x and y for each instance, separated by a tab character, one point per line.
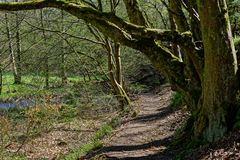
118	89
46	63
18	51
11	51
193	69
115	75
63	56
216	110
117	57
175	47
115	72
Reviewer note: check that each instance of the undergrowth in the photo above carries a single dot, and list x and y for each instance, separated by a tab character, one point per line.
76	102
93	144
176	101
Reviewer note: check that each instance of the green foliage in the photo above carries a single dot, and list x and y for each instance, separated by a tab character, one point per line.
237	118
92	99
237	122
67	113
9	156
236	40
176	101
82	150
33	85
16	113
54	113
104	130
138	88
237	44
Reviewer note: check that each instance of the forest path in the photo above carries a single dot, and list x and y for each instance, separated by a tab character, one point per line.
147	135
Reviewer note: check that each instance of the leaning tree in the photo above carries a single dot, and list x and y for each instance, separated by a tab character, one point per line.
206	75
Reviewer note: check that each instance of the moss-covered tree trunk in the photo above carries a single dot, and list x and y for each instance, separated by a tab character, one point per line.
115	75
213	118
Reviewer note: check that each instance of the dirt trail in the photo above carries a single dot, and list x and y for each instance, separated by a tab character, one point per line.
147	135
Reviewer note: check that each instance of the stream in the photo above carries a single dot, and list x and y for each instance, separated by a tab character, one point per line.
24	103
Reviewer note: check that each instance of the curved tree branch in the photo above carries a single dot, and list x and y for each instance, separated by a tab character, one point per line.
138	37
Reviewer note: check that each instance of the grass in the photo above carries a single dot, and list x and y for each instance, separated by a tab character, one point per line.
41	118
33	85
8	156
93	144
55	113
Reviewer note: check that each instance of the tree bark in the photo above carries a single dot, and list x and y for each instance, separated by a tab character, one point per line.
219	83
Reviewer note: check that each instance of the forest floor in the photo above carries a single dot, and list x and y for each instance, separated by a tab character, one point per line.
148	136
58	132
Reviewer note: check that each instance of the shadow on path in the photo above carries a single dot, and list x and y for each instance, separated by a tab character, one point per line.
146	136
127	148
163	112
150	157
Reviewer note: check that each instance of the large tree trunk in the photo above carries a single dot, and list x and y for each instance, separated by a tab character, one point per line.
218	95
